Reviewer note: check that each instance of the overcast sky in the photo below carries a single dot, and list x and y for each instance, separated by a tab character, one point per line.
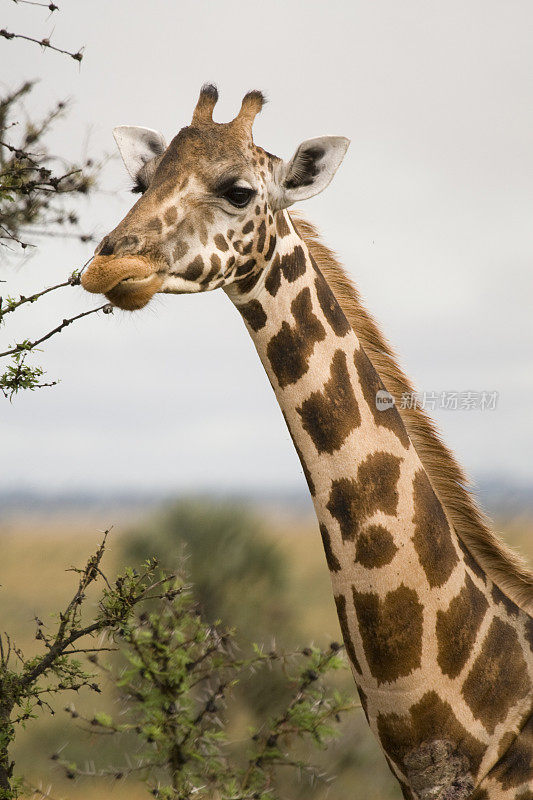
431	212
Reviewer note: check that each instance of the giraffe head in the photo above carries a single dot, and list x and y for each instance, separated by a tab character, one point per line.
206	217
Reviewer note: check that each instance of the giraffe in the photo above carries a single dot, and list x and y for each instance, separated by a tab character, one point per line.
435	612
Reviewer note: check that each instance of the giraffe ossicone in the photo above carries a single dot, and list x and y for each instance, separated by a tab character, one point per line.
435	612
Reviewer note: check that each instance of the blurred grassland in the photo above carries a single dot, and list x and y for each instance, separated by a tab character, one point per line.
298	606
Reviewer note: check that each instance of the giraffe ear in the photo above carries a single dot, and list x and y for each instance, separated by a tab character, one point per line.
138	146
310	170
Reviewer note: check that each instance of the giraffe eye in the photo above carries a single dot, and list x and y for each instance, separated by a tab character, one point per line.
239	196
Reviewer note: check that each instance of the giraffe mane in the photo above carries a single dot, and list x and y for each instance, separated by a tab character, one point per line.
506	568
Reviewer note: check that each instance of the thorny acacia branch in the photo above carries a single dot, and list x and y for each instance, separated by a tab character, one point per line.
107	308
24	685
33	185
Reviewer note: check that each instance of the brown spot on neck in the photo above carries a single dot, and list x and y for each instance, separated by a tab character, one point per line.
281	224
515	768
330	307
331	558
340	602
499	676
352	501
329	416
431	719
254	314
375	547
457	628
290	349
371	383
432	537
391	630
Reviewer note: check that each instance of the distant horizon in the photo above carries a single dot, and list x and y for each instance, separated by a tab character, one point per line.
494	494
91	488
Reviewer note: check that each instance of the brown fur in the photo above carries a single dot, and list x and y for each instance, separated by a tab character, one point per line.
502	565
105	272
108	275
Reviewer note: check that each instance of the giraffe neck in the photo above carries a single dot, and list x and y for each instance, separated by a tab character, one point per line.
381	524
411	602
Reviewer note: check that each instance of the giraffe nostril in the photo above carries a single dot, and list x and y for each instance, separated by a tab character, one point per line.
106	248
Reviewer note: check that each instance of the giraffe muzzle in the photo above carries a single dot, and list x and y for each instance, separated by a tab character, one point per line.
128	282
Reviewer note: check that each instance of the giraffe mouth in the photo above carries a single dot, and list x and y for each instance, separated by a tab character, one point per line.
129	282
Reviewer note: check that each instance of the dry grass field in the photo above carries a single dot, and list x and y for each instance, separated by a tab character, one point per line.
34	578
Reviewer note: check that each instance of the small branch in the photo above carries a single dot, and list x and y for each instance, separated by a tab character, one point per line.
67	632
13	238
50	6
32	298
42	42
58	649
106	308
20	153
92	650
117	772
